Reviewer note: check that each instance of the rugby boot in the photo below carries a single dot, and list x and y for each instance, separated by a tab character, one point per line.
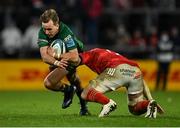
108	108
68	96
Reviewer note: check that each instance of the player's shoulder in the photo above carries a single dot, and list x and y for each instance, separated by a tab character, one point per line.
63	26
97	50
42	35
41	32
64	29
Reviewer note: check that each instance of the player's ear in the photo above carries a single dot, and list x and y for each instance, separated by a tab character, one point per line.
57	25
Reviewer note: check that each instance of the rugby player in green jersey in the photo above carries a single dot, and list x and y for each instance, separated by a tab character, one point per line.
53	30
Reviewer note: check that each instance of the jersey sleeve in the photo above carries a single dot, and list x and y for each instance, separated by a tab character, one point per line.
68	37
70	43
85	57
42	39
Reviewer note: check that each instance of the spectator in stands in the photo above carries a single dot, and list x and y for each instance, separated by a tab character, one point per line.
31	48
164	58
152	37
123	36
93	10
108	34
122	4
174	36
137	3
11	40
137	40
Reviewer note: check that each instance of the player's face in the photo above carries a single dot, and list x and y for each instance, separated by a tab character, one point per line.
50	28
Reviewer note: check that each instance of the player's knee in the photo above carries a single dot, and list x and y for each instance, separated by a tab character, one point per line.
47	84
83	95
139	108
133	111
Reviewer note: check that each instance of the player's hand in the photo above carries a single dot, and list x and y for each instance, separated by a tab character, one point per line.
63	63
160	110
151	109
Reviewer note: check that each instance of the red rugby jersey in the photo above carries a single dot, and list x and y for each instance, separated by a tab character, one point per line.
99	59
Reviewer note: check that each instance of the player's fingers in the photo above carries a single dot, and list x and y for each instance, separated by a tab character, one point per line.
160	110
147	115
64	61
64	64
154	115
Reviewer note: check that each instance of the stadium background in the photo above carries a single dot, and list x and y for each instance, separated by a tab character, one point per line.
29	74
130	27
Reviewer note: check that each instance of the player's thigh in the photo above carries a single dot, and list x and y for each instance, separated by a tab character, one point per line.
72	76
135	87
56	75
135	84
135	92
110	79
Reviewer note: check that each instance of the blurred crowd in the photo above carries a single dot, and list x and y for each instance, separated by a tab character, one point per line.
137	28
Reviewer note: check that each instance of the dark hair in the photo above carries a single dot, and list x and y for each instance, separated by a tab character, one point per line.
49	14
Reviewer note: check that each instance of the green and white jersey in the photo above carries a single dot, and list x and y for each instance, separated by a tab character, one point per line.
65	34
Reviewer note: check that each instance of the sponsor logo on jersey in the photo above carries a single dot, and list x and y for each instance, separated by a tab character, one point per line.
67	38
127	72
69	41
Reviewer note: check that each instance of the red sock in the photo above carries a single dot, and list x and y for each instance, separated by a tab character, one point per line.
96	96
139	108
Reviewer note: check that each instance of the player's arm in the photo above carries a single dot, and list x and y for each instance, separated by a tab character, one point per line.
43	46
148	95
47	58
72	56
146	91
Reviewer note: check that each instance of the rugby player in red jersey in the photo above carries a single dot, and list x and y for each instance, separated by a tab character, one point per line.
114	71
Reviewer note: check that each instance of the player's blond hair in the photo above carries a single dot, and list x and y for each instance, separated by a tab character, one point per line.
49	14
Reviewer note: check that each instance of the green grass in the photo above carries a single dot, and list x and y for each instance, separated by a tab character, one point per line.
43	108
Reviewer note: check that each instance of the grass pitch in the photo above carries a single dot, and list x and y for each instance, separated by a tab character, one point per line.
43	108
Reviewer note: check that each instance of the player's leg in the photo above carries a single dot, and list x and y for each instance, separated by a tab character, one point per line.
94	92
91	94
136	102
75	81
68	96
53	82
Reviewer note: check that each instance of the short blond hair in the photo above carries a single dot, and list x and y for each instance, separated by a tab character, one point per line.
50	14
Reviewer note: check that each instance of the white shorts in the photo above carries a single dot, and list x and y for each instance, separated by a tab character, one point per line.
123	75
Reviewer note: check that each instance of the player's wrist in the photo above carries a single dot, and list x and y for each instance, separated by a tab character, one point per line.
56	63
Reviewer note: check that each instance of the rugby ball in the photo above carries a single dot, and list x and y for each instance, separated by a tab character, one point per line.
59	47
